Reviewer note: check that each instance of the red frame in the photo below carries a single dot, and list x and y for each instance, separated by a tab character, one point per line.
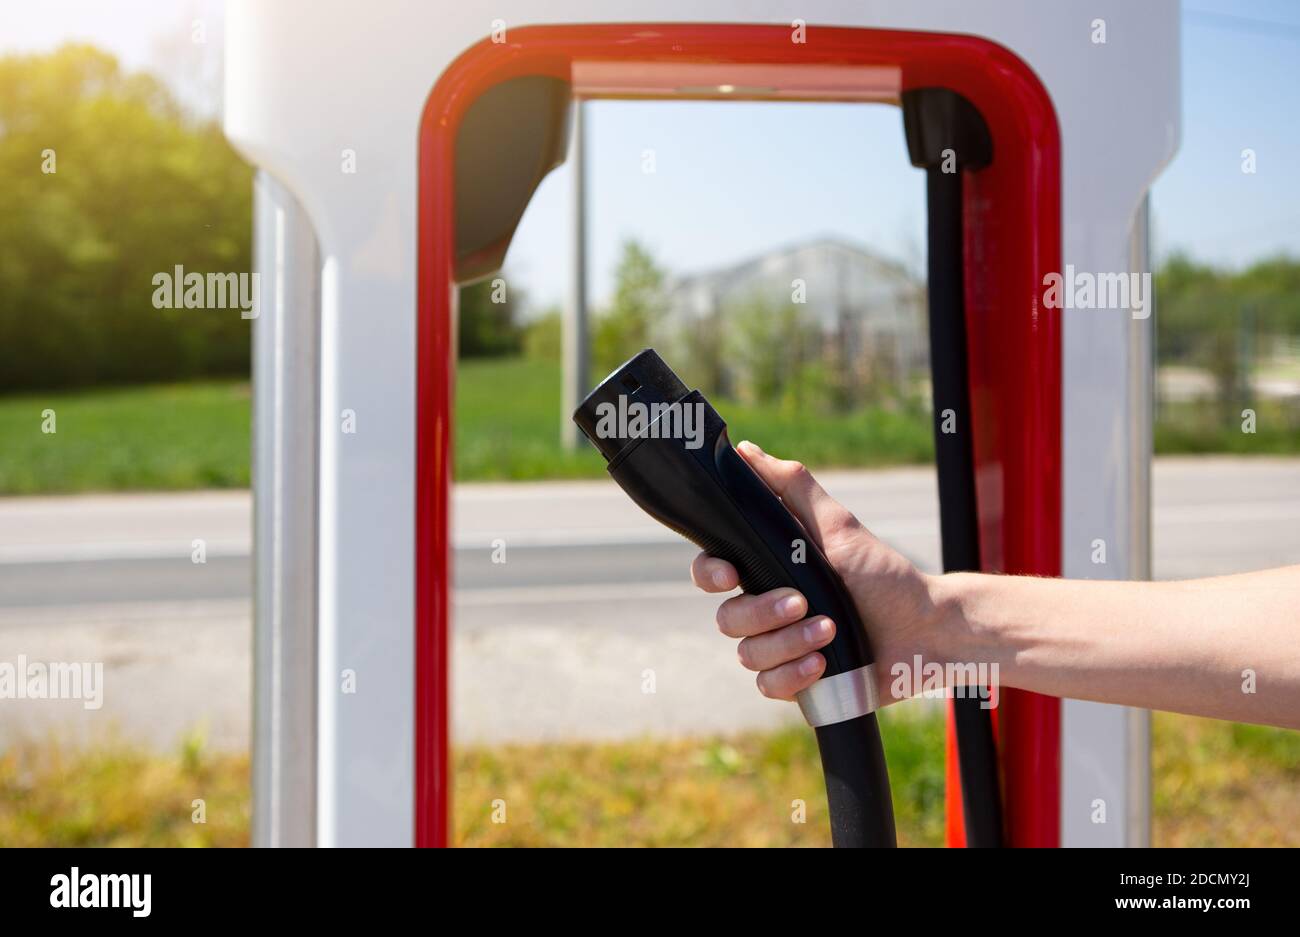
1013	228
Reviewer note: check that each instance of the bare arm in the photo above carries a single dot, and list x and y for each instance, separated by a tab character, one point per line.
1227	647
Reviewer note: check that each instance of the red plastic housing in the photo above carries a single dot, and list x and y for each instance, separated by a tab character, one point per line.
1013	239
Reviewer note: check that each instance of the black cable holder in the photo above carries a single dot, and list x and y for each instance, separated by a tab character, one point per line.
947	137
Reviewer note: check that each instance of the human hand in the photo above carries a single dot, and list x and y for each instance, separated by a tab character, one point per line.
894	599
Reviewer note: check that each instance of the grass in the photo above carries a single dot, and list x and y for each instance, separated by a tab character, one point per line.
508	424
1204	428
162	437
738	791
118	795
1224	783
1215	783
187	436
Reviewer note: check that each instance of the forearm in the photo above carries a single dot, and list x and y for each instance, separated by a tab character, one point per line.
1188	647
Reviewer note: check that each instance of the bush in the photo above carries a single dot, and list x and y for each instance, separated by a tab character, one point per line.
542	337
487	327
626	326
106	185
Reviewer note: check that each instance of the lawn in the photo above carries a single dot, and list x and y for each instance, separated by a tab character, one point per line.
1215	783
162	437
508	427
736	791
1203	428
186	436
508	416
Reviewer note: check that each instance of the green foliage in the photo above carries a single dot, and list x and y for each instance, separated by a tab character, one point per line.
1195	300
137	189
487	327
774	350
1218	320
1192	428
542	337
699	354
625	327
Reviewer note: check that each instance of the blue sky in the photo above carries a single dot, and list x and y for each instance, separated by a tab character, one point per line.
1241	74
732	180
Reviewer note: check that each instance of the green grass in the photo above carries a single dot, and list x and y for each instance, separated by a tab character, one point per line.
1214	783
1224	783
1205	428
118	795
508	417
508	425
165	437
742	790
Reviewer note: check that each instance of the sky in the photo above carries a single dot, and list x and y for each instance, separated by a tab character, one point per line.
731	180
158	35
1241	74
736	179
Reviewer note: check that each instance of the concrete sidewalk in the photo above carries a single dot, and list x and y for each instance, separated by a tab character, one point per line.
553	644
123	526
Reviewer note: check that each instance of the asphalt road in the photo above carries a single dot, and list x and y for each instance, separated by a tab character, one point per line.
586	578
1211	516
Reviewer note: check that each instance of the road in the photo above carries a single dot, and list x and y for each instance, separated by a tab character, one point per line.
558	640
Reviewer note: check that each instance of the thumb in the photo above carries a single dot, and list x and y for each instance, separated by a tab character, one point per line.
820	514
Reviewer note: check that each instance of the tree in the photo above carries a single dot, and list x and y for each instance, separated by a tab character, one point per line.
488	326
775	353
542	337
135	189
1211	319
625	327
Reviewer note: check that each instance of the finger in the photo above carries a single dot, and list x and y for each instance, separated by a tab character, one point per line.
819	513
713	575
744	615
771	650
785	681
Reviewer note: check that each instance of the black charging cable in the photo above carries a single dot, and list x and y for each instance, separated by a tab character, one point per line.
947	136
668	449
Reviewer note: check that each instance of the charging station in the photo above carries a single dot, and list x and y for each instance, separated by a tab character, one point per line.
398	148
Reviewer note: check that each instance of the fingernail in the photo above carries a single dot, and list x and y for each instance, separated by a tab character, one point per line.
790	606
815	631
719	578
811	665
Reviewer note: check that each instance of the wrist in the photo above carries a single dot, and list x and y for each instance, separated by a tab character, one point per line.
956	632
